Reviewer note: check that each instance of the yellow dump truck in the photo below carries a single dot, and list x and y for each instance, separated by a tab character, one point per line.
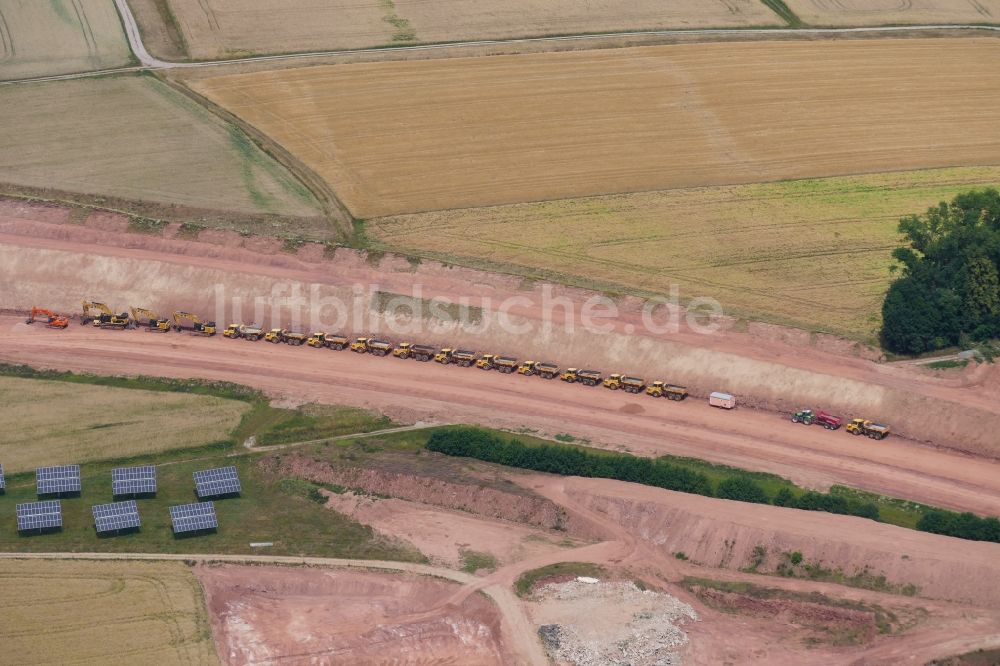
546	370
669	391
625	383
250	332
371	346
461	357
294	338
418	352
868	429
333	341
585	377
504	364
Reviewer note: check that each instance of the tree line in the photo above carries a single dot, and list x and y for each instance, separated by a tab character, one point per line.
566	460
948	291
577	461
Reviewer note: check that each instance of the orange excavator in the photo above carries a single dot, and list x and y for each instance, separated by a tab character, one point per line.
51	319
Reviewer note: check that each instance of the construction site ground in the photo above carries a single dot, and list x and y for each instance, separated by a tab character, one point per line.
635	532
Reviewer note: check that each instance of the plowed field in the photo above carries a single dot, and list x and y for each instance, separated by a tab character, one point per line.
415	136
893	12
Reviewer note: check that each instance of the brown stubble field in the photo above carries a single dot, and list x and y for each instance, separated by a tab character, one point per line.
60	37
895	12
233	28
487	131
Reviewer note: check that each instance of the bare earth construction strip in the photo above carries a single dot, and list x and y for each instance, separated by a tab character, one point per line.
549	126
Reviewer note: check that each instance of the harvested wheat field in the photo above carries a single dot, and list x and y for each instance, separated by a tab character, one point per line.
814	253
894	12
80	612
53	422
233	28
499	130
135	138
59	37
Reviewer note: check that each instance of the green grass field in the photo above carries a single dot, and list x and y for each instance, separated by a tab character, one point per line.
134	138
51	422
810	253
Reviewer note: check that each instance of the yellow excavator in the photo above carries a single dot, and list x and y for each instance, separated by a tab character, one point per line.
101	316
146	318
186	321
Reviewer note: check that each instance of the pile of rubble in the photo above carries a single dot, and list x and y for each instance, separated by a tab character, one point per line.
613	623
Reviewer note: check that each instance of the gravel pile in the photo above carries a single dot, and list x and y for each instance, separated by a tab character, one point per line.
649	638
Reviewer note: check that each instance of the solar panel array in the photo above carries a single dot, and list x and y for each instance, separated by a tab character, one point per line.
62	479
214	482
193	517
116	516
39	515
3	481
133	480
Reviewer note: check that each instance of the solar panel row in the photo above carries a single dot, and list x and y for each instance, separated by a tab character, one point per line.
3	481
133	480
116	516
193	517
60	479
39	515
214	482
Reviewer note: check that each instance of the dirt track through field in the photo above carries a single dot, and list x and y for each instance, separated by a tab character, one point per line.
653	118
754	440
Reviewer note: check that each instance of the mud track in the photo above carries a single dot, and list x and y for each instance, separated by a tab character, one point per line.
747	438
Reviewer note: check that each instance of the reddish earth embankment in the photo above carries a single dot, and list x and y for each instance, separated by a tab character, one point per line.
45	261
732	535
520	507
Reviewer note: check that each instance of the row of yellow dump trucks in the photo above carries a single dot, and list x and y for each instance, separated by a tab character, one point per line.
101	316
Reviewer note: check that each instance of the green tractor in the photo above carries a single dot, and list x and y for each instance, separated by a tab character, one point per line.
806	416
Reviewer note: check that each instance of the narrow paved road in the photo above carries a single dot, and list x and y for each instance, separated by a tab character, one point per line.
148	61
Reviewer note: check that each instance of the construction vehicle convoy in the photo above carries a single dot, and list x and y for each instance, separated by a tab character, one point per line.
545	370
418	352
146	318
585	377
328	340
371	346
294	338
243	331
100	315
186	321
825	419
669	391
625	383
868	429
51	319
504	364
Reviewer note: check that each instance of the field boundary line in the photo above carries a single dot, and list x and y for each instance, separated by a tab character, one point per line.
333	207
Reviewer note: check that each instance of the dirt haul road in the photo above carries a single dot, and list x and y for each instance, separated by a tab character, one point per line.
407	389
230	278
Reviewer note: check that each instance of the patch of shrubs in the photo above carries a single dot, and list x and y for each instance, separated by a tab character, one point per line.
577	461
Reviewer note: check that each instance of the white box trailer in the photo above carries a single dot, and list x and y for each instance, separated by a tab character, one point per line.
723	400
